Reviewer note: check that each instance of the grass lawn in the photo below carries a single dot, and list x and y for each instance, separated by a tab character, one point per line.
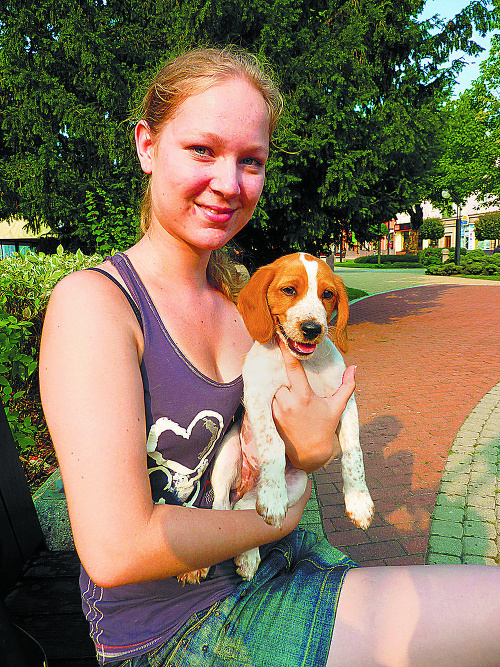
351	264
354	293
497	278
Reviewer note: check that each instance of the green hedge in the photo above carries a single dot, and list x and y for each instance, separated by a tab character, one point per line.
472	263
411	260
26	282
429	256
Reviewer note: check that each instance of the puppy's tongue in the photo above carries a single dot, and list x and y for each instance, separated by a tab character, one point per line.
301	348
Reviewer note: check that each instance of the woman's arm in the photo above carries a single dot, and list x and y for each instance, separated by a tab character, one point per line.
92	396
307	422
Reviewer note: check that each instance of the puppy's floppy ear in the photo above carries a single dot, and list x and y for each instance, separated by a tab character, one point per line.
342	314
253	306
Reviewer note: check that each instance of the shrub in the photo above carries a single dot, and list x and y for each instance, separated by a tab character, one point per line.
430	256
26	281
474	268
436	270
451	269
389	259
446	269
474	256
494	259
491	269
477	262
451	254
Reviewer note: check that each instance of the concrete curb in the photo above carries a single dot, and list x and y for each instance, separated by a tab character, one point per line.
52	510
465	525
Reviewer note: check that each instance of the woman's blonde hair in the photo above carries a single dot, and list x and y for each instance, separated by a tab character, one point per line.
190	73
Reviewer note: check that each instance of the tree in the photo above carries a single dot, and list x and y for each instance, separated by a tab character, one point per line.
432	229
487	227
363	81
467	149
68	73
469	164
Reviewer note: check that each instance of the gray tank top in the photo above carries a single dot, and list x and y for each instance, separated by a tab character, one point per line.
187	415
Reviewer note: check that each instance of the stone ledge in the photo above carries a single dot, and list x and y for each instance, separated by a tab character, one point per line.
52	510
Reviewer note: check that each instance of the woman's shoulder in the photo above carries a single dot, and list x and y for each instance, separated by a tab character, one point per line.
87	295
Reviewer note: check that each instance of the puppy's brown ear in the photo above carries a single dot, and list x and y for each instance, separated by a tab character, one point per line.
253	306
342	314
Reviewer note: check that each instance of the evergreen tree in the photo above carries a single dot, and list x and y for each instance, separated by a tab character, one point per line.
363	82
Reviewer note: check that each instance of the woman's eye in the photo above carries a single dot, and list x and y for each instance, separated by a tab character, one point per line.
252	162
200	150
327	294
289	291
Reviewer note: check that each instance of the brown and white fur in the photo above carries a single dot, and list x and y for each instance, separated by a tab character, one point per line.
294	299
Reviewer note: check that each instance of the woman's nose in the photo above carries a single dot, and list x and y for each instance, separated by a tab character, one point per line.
225	179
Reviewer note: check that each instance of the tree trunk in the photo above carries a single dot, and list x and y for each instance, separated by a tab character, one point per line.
413	244
416	220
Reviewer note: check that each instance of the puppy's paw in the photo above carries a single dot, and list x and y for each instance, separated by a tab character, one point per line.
247	563
272	503
193	577
359	507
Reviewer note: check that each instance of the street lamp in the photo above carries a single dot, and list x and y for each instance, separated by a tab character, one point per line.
458	226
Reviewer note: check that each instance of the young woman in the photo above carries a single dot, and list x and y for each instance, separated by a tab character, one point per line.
154	335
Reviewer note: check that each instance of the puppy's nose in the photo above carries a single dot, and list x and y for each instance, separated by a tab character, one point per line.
311	329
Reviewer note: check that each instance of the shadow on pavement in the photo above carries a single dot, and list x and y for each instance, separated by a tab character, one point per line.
391	306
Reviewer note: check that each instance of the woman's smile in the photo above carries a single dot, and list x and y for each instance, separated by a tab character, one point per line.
217	214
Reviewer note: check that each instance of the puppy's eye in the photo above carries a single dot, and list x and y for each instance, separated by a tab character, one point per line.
327	294
289	291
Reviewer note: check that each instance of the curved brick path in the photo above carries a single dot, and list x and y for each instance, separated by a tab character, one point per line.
425	356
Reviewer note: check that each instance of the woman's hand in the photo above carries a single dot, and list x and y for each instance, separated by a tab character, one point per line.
305	421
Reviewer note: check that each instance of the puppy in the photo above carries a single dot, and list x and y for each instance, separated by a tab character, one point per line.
292	299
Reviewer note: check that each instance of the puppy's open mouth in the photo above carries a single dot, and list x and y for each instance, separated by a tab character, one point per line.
300	349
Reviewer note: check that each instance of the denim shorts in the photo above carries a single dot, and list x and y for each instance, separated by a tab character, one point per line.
283	617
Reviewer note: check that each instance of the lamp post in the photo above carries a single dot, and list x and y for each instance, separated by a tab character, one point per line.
458	226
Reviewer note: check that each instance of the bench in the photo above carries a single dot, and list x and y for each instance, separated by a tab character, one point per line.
40	601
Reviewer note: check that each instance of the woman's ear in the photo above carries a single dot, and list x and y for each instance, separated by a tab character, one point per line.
253	306
144	146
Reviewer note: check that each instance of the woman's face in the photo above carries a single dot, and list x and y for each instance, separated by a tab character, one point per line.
207	164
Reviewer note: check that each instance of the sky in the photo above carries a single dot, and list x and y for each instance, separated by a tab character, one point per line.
448	9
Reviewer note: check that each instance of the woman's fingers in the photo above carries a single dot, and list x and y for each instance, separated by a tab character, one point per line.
295	372
307	422
346	389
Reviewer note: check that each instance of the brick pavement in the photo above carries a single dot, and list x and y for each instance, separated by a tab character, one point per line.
425	356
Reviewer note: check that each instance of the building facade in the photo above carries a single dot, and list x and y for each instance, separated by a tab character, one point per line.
400	227
15	238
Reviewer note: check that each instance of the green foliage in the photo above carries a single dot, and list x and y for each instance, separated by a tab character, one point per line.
451	254
469	162
487	227
477	255
398	260
16	369
429	256
113	227
26	281
472	263
364	83
432	229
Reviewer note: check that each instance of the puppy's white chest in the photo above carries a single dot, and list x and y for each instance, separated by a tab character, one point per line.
325	369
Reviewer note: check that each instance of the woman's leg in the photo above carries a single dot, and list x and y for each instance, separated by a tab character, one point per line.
429	616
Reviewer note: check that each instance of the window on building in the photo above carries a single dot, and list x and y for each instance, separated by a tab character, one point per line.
7	249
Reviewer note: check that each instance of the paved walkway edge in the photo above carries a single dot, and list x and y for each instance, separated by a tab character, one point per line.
465	525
